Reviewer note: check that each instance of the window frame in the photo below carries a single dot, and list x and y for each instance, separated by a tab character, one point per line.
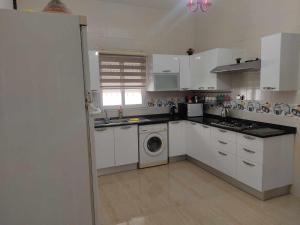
115	107
143	89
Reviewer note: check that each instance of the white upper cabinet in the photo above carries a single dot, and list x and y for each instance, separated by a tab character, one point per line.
280	62
202	64
94	70
165	64
185	72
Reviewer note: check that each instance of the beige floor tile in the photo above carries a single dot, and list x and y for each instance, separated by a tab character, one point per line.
183	194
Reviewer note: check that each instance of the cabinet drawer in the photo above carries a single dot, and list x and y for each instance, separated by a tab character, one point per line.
250	153
225	162
250	173
250	141
224	145
224	135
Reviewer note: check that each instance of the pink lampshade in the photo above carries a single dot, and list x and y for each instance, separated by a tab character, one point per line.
56	6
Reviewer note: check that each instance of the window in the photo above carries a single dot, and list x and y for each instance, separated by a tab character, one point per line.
122	80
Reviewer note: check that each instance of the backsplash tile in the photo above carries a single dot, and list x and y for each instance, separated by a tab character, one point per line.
164	99
283	103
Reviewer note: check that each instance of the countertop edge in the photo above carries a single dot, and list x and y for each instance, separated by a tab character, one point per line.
157	119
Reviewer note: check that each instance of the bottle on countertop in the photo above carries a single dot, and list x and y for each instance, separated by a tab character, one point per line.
120	112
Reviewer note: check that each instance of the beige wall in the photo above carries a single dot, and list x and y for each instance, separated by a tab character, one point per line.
6	4
241	24
131	27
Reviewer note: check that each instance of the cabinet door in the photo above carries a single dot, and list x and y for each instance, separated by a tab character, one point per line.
205	155
197	65
185	73
193	139
177	138
250	173
207	79
104	145
165	64
126	145
270	68
204	62
94	70
225	162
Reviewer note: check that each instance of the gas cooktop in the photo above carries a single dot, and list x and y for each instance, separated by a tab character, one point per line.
236	125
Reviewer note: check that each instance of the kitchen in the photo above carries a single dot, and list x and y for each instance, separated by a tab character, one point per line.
202	161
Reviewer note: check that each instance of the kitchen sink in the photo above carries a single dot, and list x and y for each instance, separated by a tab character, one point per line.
111	121
118	121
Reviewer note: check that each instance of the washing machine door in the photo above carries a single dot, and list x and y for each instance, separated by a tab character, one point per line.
154	144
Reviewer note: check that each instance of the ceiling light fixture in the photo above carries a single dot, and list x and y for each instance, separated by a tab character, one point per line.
56	6
195	5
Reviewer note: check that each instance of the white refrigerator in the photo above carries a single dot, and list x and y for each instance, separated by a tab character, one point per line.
47	171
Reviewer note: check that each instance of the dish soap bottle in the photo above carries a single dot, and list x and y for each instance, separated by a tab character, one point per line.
120	112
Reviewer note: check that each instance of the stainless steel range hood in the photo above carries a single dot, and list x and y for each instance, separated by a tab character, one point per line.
241	67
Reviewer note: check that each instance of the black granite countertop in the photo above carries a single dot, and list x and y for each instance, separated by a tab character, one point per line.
264	130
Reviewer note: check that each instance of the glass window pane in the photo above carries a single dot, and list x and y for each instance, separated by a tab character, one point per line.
133	97
112	97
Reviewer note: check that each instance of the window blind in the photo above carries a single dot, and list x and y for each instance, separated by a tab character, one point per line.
122	71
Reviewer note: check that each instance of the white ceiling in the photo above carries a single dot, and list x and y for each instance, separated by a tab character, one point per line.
159	4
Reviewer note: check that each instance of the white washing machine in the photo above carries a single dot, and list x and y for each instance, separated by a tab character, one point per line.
153	145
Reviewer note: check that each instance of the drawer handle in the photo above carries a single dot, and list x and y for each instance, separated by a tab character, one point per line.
193	123
249	138
269	88
101	129
222	131
206	127
201	88
175	122
222	142
248	164
249	151
126	127
166	71
222	153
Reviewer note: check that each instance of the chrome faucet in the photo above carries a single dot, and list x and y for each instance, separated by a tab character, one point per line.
106	116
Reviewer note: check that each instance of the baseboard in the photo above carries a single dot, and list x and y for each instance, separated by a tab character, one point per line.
260	195
179	158
157	163
117	169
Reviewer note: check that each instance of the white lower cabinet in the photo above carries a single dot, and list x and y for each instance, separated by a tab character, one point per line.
205	148
177	138
265	163
116	146
250	173
225	162
198	142
193	139
105	147
261	163
126	145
